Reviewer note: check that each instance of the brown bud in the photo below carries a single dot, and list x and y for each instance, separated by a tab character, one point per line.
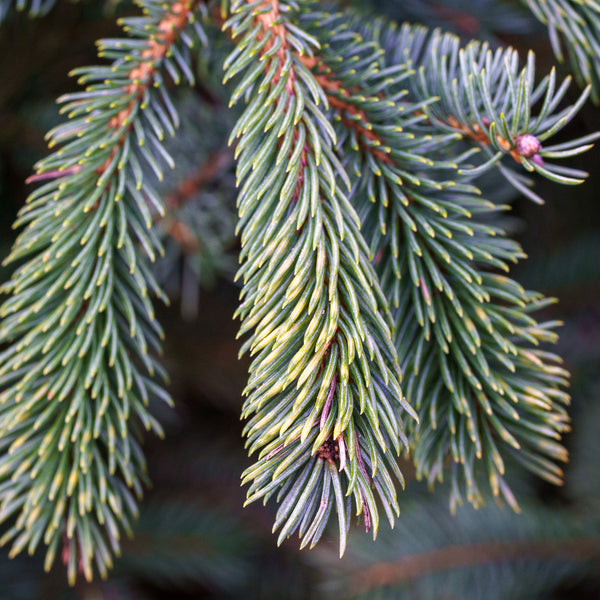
527	145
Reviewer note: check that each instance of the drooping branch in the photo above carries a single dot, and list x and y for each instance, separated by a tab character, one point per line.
319	338
81	368
142	74
464	332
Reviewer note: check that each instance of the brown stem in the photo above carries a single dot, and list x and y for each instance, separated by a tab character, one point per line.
336	95
182	234
190	186
338	98
476	133
468	555
462	20
269	21
142	74
206	172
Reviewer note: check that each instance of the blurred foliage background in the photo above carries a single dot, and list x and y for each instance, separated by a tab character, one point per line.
194	539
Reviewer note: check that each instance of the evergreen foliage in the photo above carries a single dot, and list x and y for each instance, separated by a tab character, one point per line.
368	253
574	30
34	7
79	373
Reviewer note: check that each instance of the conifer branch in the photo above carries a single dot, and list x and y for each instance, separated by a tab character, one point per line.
323	395
463	332
194	183
78	377
489	549
574	31
485	96
489	100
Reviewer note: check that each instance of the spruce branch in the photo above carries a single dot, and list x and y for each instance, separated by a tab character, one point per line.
476	554
198	230
323	396
79	375
194	183
198	227
384	137
464	333
488	99
484	95
574	31
33	8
